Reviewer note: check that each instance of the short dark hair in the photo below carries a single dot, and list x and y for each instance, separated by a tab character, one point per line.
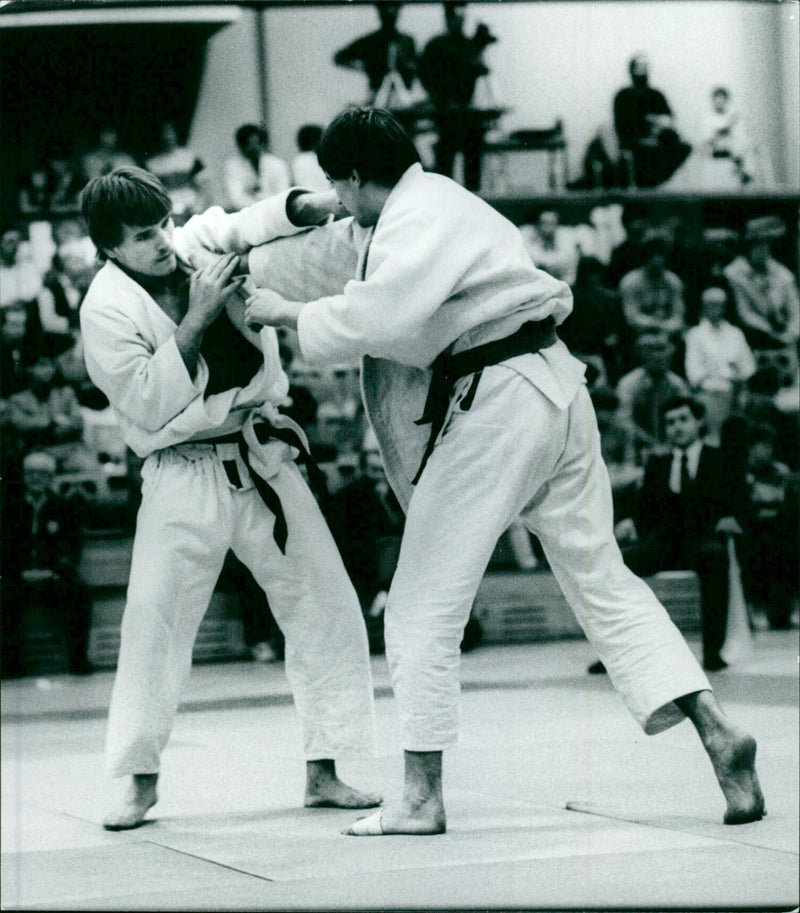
308	137
244	133
370	141
127	196
679	401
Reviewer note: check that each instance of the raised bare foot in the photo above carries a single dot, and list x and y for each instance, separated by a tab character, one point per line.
420	820
134	796
734	763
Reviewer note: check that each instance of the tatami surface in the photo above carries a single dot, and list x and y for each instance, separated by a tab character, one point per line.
555	799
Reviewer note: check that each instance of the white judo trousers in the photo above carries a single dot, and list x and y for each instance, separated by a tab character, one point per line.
190	516
515	452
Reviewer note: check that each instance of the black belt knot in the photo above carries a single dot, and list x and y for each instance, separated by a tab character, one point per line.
264	432
447	369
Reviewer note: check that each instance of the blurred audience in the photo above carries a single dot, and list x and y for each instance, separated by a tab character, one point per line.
770	565
629	254
652	295
304	167
765	291
386	53
106	156
643	392
254	173
595	328
726	148
551	247
646	128
182	173
42	543
718	359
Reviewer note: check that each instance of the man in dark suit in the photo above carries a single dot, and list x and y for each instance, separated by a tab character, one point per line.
41	550
689	502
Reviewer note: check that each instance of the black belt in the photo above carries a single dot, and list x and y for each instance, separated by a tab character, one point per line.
264	432
447	369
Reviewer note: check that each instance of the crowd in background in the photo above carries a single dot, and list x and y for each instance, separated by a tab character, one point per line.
654	317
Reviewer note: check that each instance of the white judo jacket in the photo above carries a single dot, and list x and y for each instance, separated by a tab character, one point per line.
441	270
131	354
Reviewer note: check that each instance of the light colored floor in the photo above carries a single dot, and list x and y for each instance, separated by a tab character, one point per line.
537	734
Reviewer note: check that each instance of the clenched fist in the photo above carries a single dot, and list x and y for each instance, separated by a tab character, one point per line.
268	308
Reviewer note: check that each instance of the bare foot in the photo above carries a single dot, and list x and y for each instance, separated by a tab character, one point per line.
336	794
734	763
134	796
419	820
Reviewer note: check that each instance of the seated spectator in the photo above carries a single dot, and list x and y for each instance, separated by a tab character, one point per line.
46	414
595	326
182	173
689	502
764	290
551	247
34	194
340	417
728	161
41	552
65	180
105	157
367	523
304	167
629	255
19	349
619	452
300	403
72	232
20	281
253	173
718	358
643	391
60	298
652	296
646	128
770	568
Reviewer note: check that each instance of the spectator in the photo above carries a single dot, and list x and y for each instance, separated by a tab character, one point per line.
728	160
383	53
106	157
595	326
46	413
305	168
688	503
643	391
718	359
652	296
182	173
262	636
65	181
551	247
20	281
770	568
41	551
60	298
764	290
449	69
300	404
628	255
645	128
18	348
254	173
34	194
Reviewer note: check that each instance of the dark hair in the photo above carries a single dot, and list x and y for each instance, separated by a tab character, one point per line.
244	133
762	433
370	141
678	402
308	137
127	196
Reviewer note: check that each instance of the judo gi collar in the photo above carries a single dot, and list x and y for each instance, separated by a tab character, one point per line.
158	285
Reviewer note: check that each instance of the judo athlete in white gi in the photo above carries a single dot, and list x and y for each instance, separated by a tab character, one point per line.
219	473
440	271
